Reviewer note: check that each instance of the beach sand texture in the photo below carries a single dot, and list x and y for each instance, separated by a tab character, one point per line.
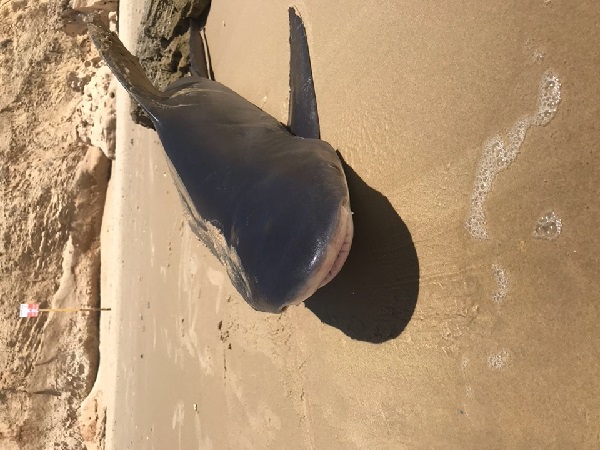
436	334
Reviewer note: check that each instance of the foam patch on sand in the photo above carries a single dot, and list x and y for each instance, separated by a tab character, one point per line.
498	154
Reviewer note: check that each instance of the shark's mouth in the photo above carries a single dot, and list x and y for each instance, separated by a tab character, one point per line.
335	257
342	242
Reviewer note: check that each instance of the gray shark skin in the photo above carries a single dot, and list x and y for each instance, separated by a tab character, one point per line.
270	202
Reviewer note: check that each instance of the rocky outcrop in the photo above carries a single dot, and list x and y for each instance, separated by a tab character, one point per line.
162	44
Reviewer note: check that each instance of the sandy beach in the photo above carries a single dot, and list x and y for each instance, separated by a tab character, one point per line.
430	337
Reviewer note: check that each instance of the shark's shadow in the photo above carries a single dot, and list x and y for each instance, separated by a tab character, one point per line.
374	296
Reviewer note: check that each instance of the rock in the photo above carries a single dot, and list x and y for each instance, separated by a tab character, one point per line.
162	44
72	16
88	6
89	184
92	421
97	125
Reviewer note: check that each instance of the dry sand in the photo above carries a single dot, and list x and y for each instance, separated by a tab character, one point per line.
429	338
53	174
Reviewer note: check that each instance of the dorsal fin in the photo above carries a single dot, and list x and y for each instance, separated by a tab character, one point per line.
124	65
303	118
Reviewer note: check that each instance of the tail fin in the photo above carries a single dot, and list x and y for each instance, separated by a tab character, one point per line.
124	65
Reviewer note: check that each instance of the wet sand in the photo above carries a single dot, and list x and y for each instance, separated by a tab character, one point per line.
429	337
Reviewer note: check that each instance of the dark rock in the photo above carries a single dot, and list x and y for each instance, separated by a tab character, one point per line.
162	44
